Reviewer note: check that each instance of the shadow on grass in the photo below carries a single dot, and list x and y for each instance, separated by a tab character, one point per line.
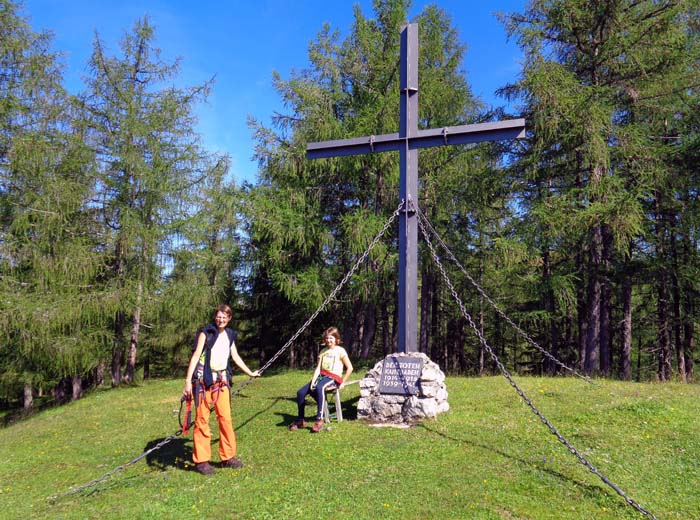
349	407
176	453
589	490
14	415
274	402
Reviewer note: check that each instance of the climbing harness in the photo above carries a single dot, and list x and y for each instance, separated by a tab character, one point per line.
187	423
520	392
199	395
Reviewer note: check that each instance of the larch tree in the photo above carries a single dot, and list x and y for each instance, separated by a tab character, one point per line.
598	80
50	264
149	159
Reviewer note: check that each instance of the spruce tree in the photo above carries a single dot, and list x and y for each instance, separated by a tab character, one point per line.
309	220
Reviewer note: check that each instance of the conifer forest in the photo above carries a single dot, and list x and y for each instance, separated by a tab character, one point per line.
120	232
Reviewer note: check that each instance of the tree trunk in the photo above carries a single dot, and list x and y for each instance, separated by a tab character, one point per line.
352	328
435	336
133	346
581	315
689	349
77	387
119	266
676	305
568	341
60	391
552	339
369	330
27	397
499	343
146	367
678	331
689	312
100	374
386	325
663	329
291	357
482	350
460	343
664	346
626	332
592	360
605	305
639	359
118	349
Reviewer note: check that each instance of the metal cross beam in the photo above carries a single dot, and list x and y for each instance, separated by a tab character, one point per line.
408	141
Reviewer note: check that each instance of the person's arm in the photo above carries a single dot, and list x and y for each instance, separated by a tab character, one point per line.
241	364
317	373
187	392
348	370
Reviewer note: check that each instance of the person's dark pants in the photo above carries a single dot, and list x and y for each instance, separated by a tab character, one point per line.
317	393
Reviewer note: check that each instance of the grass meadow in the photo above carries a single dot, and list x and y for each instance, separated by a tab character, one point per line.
489	457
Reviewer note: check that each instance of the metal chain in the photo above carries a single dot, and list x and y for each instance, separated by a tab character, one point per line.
520	392
107	475
332	294
501	313
328	298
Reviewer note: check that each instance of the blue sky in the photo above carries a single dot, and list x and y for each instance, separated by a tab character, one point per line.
242	42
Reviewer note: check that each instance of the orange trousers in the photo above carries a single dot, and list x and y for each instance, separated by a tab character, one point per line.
202	432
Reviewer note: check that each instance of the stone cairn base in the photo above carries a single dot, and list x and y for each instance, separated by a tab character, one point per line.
430	401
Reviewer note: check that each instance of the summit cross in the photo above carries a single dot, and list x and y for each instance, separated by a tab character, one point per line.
408	141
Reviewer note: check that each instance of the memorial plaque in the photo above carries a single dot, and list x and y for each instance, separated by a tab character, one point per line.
400	375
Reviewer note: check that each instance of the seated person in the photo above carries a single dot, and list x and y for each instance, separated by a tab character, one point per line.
329	370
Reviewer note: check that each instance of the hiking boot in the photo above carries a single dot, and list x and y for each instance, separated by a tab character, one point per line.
233	462
205	468
317	427
296	425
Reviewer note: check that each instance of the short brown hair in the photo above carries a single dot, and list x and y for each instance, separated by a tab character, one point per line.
223	308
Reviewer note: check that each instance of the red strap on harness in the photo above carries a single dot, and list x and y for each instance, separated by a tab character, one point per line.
220	383
188	417
216	388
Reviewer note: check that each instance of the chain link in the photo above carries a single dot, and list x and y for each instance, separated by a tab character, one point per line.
520	392
493	304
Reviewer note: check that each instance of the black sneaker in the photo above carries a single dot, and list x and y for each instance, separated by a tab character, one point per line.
233	462
205	468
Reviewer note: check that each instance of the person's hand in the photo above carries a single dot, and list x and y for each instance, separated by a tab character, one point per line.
255	373
187	391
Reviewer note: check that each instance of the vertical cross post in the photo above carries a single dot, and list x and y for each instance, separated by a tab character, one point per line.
408	141
408	191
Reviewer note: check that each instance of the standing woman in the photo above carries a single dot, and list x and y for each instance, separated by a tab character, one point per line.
209	372
329	370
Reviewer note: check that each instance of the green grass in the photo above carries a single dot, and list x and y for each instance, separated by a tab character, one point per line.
490	457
